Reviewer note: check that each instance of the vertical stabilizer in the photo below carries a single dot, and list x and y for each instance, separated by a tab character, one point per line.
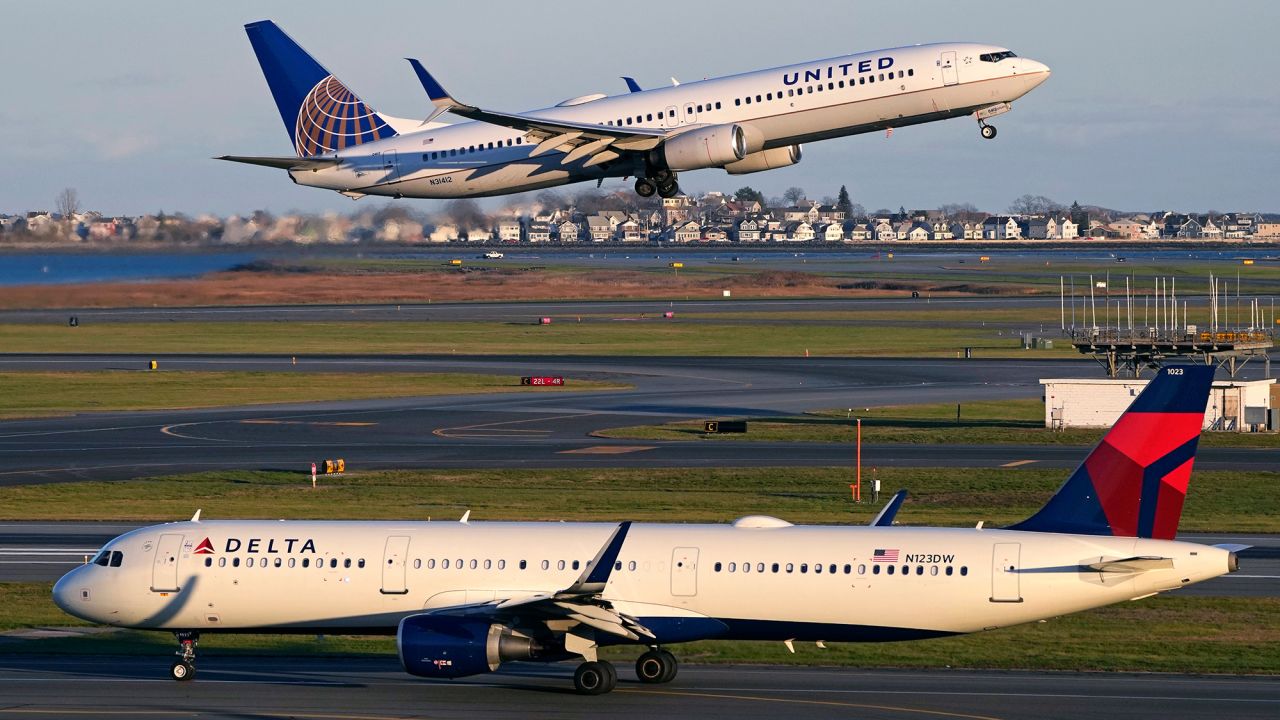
320	113
1134	482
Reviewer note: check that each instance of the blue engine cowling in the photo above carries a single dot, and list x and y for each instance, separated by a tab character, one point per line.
443	647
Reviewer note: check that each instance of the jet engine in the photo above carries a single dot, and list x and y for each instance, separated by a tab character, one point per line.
443	647
765	160
708	147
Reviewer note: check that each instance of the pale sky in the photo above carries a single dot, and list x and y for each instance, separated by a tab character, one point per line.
1152	105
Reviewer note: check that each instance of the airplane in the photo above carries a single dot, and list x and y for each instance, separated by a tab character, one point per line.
742	124
462	598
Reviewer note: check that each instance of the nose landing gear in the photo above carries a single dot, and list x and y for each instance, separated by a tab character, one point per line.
184	668
988	131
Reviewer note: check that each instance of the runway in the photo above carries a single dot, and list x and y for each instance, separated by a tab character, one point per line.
376	689
527	427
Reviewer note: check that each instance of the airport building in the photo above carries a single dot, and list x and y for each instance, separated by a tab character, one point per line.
1234	405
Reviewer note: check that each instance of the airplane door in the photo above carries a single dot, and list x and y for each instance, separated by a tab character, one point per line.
1005	564
391	164
672	117
690	114
684	571
164	567
948	62
394	567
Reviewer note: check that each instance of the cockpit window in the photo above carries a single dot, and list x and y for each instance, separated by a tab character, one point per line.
116	558
102	558
996	57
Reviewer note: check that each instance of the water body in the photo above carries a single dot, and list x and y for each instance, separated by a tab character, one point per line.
68	268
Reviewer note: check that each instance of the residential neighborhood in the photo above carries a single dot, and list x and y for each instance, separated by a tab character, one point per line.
743	218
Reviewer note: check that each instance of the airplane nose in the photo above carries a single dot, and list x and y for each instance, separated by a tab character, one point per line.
62	593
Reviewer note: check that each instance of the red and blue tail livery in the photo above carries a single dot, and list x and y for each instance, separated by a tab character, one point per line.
1134	482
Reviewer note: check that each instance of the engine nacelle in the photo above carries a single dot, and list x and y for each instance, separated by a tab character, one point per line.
443	647
708	147
765	160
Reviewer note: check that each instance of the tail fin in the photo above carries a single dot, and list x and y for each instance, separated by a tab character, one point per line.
1134	482
320	113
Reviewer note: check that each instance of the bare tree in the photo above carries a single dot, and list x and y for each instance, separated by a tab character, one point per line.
1034	205
794	195
68	202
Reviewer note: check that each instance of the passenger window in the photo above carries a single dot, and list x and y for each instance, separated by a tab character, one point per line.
862	569
871	79
333	563
911	72
488	564
649	117
819	87
346	563
278	562
560	565
791	567
575	564
628	121
804	567
717	106
817	568
248	562
775	567
699	108
875	569
474	564
733	567
832	569
631	566
222	562
444	564
831	86
431	563
862	81
306	562
748	99
760	567
546	564
949	571
208	562
717	567
502	564
964	570
919	569
746	567
660	114
933	570
235	562
890	569
294	561
737	101
519	140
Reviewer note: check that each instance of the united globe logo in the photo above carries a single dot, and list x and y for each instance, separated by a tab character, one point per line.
332	118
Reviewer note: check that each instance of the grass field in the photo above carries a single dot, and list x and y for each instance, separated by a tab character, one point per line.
1167	633
563	337
981	423
1218	501
30	394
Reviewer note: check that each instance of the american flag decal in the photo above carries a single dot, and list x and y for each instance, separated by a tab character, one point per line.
885	555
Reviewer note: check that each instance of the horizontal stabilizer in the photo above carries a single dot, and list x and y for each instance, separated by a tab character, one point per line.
284	162
1133	564
890	511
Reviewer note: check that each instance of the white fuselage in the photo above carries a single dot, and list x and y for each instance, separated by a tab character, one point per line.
742	581
776	108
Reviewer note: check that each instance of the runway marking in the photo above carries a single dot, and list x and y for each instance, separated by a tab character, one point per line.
485	428
825	703
607	450
1018	463
305	422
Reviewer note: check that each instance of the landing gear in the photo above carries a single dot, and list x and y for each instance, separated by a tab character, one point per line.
184	668
656	666
595	678
988	131
662	182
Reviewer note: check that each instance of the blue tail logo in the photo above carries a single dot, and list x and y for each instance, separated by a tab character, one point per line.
321	114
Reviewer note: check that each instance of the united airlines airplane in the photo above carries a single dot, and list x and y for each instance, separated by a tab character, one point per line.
464	597
742	124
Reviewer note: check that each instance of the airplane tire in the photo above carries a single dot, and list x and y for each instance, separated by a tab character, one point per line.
668	191
656	666
672	667
645	188
182	671
594	678
989	131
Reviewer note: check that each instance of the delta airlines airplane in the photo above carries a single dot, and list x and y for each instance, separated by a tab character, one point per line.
464	597
742	124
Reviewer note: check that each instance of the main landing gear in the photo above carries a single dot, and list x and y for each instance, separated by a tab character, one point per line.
184	668
662	182
988	131
596	677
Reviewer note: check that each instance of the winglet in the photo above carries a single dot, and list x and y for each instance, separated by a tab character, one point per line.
435	91
196	517
890	511
632	85
596	575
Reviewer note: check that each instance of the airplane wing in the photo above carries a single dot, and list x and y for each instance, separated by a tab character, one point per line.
580	602
286	162
596	143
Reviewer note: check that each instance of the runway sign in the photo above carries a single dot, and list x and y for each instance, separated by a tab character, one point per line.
540	380
724	426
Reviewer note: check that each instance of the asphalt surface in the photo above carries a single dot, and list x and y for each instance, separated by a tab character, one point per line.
530	427
376	689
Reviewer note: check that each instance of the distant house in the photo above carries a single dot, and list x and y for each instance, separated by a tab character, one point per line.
687	232
857	230
1001	227
748	230
884	231
799	232
599	228
510	231
569	231
1034	228
629	231
1125	229
1067	229
538	232
714	233
830	232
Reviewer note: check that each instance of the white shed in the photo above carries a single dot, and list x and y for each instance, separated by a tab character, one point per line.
1234	405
